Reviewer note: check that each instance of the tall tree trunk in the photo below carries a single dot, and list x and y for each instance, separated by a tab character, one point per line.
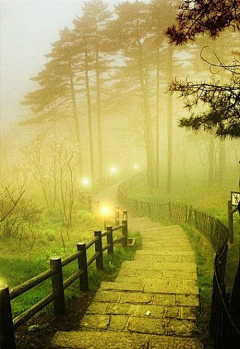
158	119
76	121
169	123
148	125
90	133
222	147
99	121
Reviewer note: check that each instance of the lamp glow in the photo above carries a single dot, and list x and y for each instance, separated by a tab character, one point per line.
86	181
105	211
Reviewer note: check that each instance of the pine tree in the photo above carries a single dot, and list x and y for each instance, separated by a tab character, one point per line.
57	90
211	17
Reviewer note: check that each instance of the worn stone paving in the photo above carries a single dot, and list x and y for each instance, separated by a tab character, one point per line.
153	302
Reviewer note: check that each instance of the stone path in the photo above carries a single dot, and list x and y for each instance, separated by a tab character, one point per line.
153	302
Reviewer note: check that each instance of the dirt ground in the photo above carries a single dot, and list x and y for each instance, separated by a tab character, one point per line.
38	331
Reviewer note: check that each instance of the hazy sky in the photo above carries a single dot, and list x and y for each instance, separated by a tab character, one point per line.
27	30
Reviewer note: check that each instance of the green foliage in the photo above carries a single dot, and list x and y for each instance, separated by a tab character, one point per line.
17	214
205	267
33	328
23	264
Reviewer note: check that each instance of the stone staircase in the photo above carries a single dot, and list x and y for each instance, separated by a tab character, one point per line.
153	302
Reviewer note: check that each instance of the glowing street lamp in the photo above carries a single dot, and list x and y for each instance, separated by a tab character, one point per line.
113	170
86	182
104	212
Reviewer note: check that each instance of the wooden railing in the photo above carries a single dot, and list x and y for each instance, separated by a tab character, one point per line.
55	272
225	313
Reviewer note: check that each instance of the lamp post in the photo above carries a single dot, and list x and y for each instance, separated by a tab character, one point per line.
105	215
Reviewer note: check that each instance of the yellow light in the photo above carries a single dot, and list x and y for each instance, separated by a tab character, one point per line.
136	167
86	181
3	283
113	170
105	211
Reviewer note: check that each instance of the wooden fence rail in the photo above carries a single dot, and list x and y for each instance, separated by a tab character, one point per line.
8	324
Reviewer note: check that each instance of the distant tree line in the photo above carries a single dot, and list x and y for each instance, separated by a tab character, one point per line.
109	60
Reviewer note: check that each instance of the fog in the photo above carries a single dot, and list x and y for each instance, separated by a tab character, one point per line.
27	30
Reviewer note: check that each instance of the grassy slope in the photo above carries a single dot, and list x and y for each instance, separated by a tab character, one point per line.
26	255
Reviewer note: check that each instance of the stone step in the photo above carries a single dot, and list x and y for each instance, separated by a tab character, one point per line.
186	267
161	283
168	274
153	286
120	340
149	246
168	326
142	257
143	310
155	253
147	298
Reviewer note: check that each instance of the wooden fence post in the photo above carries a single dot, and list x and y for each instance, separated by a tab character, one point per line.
7	339
82	264
125	231
98	249
235	301
125	214
110	239
117	215
230	222
57	286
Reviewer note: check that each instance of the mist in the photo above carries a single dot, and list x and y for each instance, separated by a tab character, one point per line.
97	103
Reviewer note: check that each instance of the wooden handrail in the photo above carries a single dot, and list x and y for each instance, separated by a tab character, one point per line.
27	285
117	227
92	242
71	258
8	325
19	320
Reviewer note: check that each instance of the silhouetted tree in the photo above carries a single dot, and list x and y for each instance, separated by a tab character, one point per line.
161	14
96	16
57	90
210	17
132	26
81	33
